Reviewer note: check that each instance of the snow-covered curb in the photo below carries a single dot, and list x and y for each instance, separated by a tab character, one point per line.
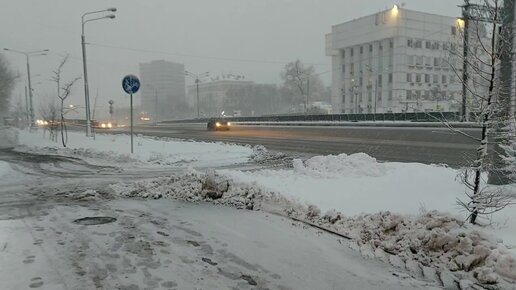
431	245
115	149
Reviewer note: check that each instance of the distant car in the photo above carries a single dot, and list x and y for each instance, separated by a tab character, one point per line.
217	124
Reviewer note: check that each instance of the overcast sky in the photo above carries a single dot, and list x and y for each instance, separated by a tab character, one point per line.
253	38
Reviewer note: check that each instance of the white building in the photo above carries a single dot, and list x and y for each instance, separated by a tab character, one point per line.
213	95
397	60
163	93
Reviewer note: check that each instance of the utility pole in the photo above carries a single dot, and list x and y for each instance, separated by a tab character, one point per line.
465	19
156	105
197	79
84	65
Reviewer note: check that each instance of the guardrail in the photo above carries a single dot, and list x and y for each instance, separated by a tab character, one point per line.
408	117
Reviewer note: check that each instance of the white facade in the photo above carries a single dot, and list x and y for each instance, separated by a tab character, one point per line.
163	93
213	95
397	61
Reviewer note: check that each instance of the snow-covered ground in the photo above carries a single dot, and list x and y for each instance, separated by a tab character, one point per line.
383	207
115	149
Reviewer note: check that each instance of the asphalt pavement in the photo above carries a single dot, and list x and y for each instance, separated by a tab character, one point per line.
397	144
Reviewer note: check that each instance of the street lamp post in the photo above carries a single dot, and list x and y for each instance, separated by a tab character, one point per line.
197	77
27	54
83	44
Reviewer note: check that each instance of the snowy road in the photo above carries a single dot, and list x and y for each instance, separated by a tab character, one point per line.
399	144
159	244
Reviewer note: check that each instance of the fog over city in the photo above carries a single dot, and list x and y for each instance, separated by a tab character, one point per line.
251	38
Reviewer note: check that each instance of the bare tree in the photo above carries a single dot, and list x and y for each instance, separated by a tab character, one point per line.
487	46
300	78
7	79
50	116
63	92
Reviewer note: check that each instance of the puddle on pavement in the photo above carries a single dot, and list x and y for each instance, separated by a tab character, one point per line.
91	221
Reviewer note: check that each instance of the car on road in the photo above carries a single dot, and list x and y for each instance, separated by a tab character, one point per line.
218	125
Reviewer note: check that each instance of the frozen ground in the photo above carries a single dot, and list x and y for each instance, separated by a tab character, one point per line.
403	238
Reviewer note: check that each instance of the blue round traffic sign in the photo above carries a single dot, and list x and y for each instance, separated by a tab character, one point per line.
131	84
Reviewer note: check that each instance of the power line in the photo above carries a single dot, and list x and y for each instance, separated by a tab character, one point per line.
199	56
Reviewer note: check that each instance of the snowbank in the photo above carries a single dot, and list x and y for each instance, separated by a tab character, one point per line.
431	245
357	184
160	151
5	169
8	137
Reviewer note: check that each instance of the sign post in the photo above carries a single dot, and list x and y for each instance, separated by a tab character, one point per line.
131	85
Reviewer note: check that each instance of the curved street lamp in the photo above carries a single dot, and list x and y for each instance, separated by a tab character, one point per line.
83	43
27	54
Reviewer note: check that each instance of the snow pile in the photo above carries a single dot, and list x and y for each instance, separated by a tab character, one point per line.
430	245
107	148
5	169
8	137
262	155
194	186
359	164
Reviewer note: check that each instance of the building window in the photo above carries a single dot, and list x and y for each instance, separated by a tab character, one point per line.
409	95
380	80
351	68
428	61
379	95
343	68
391	44
370	96
390	96
361	49
370	48
352	52
444	79
418	44
409	78
436	79
380	46
452	79
419	60
436	62
410	60
409	42
390	78
360	81
427	78
418	78
343	53
428	45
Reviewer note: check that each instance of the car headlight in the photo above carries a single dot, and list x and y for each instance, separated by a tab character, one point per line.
229	124
109	125
103	125
217	124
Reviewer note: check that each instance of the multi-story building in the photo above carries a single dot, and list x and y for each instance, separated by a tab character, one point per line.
163	93
213	95
397	60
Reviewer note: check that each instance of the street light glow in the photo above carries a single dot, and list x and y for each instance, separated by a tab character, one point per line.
460	23
395	11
